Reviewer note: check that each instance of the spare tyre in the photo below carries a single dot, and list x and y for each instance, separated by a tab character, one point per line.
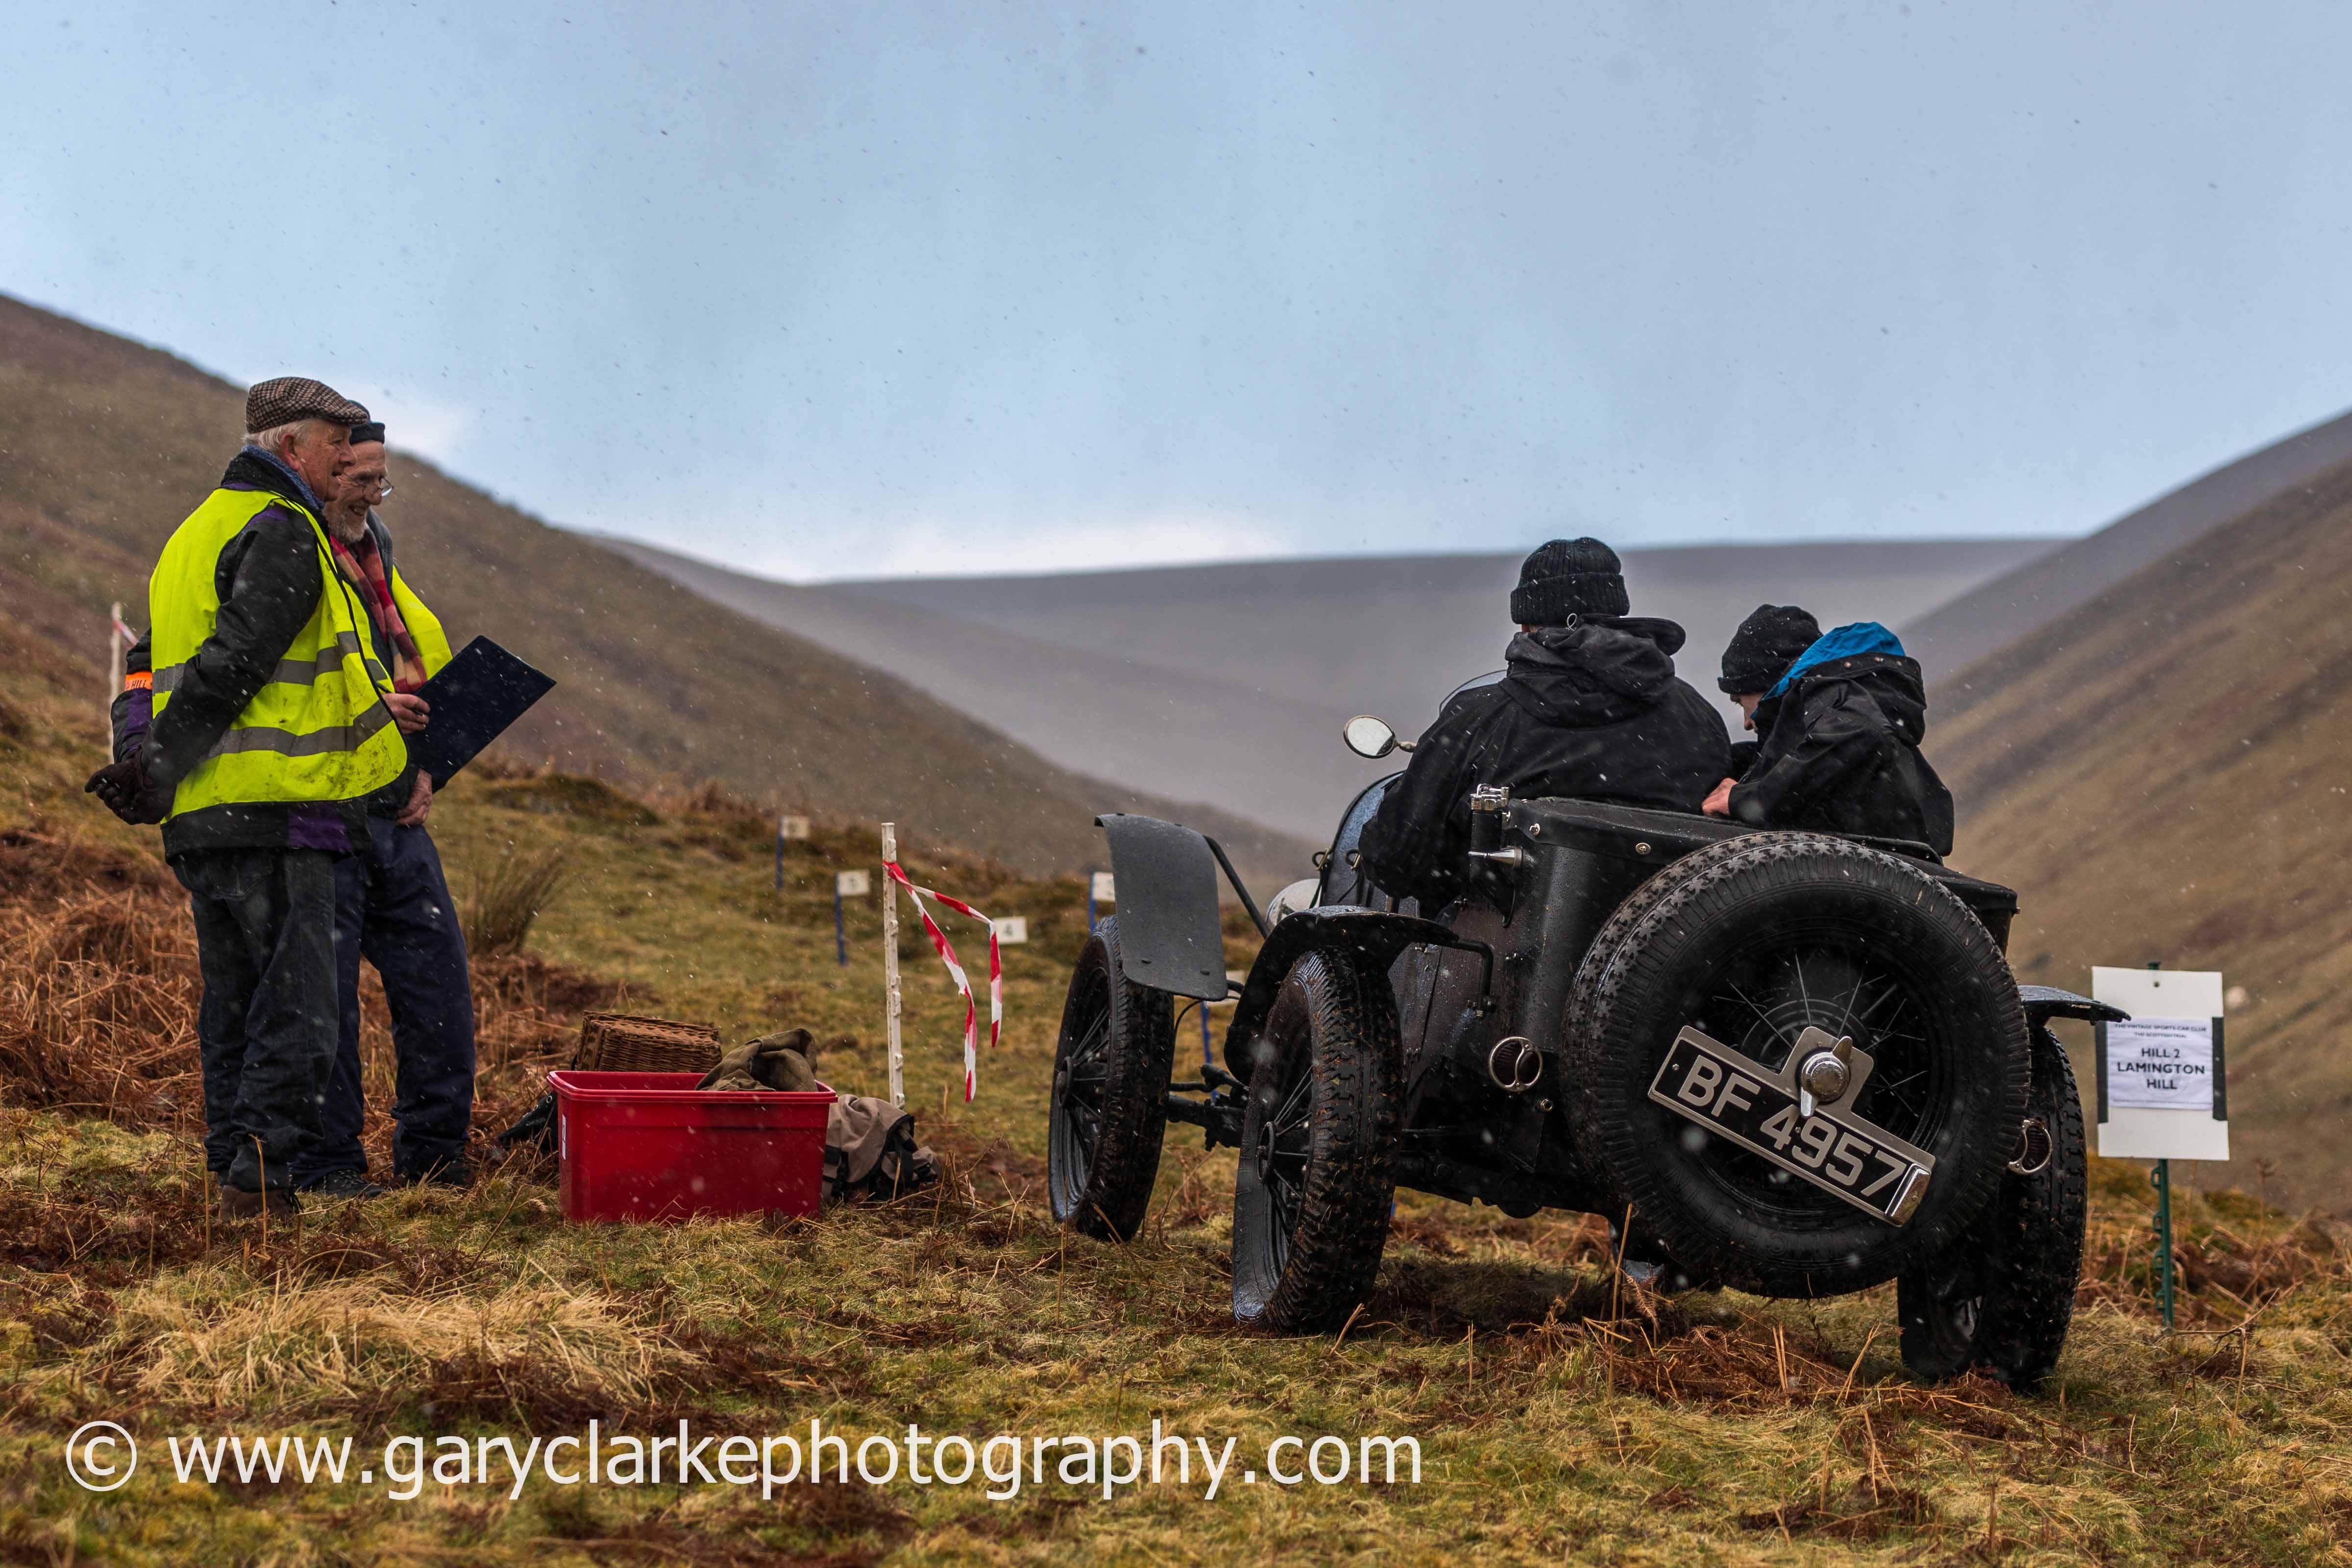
1750	944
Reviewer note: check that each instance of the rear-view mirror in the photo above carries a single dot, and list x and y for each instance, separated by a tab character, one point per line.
1369	737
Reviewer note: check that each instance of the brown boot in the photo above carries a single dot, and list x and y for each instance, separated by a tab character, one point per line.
236	1203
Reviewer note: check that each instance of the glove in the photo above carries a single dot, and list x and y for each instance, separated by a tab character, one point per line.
124	788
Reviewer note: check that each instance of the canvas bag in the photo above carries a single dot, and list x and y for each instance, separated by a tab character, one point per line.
870	1151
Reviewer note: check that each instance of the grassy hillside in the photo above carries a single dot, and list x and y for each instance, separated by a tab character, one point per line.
105	445
1561	1413
2163	774
1991	615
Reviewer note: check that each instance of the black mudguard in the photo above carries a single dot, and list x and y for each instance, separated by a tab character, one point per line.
1376	936
1170	936
2043	1003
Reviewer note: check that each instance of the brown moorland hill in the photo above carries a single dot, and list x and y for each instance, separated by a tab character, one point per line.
105	444
2163	774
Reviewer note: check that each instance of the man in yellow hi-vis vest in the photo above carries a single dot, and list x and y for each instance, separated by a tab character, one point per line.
392	905
273	723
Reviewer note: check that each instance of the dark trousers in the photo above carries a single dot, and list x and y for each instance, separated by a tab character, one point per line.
266	944
392	907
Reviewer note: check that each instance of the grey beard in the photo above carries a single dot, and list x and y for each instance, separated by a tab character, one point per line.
349	530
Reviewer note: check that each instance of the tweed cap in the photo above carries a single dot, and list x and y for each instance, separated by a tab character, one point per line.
285	398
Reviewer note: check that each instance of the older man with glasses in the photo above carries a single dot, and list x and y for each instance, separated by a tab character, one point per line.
393	903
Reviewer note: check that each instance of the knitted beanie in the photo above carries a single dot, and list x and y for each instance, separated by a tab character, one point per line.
1569	577
366	431
1765	644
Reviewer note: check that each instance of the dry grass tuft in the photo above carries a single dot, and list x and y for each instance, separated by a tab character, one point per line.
204	1338
508	896
98	1006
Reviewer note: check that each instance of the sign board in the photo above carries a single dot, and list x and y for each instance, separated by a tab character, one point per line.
791	827
1012	929
1103	891
2162	1076
852	884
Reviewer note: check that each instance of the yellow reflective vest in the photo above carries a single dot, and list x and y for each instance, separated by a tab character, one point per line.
318	731
424	625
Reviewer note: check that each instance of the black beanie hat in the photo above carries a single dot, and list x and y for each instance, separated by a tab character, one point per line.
1764	646
367	430
1569	577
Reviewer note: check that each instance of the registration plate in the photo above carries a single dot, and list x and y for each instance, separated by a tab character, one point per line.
1822	1142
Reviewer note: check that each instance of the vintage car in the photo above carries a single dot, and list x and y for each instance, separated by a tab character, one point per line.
1793	1064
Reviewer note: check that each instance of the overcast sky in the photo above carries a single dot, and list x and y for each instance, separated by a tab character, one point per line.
844	288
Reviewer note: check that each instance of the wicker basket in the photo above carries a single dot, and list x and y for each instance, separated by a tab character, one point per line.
618	1042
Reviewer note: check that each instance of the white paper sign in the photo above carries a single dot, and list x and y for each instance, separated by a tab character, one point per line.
2161	1064
2162	1076
1012	929
791	827
1104	891
851	884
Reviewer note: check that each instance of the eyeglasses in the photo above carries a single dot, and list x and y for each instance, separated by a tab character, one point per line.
376	492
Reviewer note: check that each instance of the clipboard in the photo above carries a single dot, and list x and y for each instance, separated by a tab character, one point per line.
477	695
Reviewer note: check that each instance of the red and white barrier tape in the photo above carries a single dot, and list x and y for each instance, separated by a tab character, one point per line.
125	633
955	970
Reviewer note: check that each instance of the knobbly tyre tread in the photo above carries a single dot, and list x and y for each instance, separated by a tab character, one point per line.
1140	1055
1349	1025
1606	1099
2026	1249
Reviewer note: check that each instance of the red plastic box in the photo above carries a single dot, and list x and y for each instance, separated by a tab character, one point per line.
651	1146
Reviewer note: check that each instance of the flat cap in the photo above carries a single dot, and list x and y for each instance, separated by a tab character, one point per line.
285	398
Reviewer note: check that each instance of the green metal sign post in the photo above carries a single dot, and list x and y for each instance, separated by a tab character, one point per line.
2163	1180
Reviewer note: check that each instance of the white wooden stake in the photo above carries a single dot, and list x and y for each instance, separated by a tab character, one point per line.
891	1000
116	651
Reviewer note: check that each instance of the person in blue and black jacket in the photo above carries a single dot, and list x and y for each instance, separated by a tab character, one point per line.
1840	716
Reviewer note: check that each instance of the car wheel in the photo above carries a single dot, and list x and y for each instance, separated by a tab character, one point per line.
1752	941
2003	1298
1109	1106
1317	1179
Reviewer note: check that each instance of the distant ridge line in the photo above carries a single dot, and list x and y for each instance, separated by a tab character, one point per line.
1988	619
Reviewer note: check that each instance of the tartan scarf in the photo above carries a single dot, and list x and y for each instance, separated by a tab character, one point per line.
361	565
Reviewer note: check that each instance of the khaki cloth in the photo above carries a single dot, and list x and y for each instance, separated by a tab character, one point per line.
769	1062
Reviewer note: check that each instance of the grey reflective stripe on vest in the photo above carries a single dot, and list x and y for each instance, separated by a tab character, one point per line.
316	743
299	672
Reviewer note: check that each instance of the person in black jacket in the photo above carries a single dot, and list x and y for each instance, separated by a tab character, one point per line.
1840	716
1590	708
393	907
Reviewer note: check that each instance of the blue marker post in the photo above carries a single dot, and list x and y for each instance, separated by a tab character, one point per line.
1206	1058
840	937
1090	900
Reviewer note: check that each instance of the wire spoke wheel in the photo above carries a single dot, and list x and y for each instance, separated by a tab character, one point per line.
2002	1298
1315	1184
1759	999
1108	1114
